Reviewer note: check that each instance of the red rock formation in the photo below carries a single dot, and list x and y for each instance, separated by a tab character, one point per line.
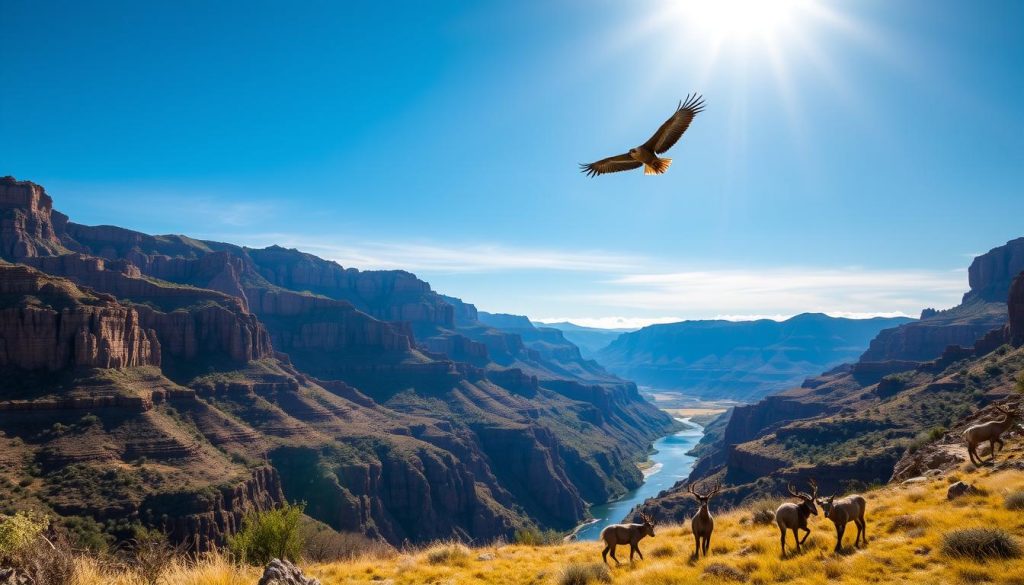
1016	309
54	325
302	322
991	273
391	295
201	523
189	322
26	227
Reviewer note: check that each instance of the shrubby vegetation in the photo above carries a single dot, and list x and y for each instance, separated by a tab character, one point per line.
268	535
584	574
981	544
1014	500
535	537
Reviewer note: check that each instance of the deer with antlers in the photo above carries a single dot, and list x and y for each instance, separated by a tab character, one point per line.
702	523
790	516
631	534
991	431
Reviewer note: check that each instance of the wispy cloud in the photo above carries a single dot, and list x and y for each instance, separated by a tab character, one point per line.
627	291
431	257
784	291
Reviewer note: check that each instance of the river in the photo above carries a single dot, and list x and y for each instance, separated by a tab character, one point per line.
670	464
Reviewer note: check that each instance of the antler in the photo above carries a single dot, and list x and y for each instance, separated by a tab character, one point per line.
1001	409
792	490
715	490
704	495
814	487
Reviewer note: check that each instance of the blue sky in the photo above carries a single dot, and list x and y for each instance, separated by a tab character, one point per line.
852	157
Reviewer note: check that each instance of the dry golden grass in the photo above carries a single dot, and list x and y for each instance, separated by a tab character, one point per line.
905	528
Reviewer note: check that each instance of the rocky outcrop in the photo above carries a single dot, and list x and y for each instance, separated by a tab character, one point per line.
991	273
390	295
26	225
201	520
189	322
1016	309
280	572
53	325
983	309
927	339
304	323
751	421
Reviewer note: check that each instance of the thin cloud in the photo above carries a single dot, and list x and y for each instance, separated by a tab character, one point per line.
784	291
430	257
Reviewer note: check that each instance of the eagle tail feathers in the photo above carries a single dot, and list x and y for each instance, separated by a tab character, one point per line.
658	166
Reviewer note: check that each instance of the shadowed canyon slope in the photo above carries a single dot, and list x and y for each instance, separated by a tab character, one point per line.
863	423
739	360
169	382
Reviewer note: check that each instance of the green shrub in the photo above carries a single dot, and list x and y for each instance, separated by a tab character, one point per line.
19	532
584	574
448	553
534	537
268	535
1020	382
1014	500
980	544
762	511
322	544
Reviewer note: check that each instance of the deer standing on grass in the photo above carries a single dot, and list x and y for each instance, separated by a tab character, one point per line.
702	523
630	534
991	431
841	513
790	516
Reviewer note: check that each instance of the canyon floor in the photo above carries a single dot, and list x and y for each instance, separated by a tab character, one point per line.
906	524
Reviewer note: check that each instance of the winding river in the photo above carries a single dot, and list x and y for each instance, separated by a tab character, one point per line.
670	464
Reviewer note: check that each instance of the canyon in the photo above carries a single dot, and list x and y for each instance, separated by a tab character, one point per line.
173	383
862	423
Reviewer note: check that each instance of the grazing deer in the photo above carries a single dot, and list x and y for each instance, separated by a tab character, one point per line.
991	431
790	516
702	524
630	534
841	513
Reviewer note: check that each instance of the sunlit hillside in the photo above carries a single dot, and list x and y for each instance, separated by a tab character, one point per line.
906	525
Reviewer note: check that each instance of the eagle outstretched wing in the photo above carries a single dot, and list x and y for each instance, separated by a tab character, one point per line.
673	128
612	164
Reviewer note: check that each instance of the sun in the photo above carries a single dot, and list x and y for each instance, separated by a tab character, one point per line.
740	21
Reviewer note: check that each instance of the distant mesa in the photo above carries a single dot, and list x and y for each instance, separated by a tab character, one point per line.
741	360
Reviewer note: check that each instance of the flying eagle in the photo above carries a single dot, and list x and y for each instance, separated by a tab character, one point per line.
646	153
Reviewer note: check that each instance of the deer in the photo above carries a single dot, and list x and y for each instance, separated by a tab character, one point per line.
790	516
849	509
702	523
991	431
631	534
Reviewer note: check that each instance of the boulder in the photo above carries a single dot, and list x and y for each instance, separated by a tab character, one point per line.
280	572
959	489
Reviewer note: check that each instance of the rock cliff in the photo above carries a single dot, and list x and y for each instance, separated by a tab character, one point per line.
1015	305
48	323
983	308
26	224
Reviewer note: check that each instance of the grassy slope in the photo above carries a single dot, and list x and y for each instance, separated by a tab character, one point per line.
905	527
